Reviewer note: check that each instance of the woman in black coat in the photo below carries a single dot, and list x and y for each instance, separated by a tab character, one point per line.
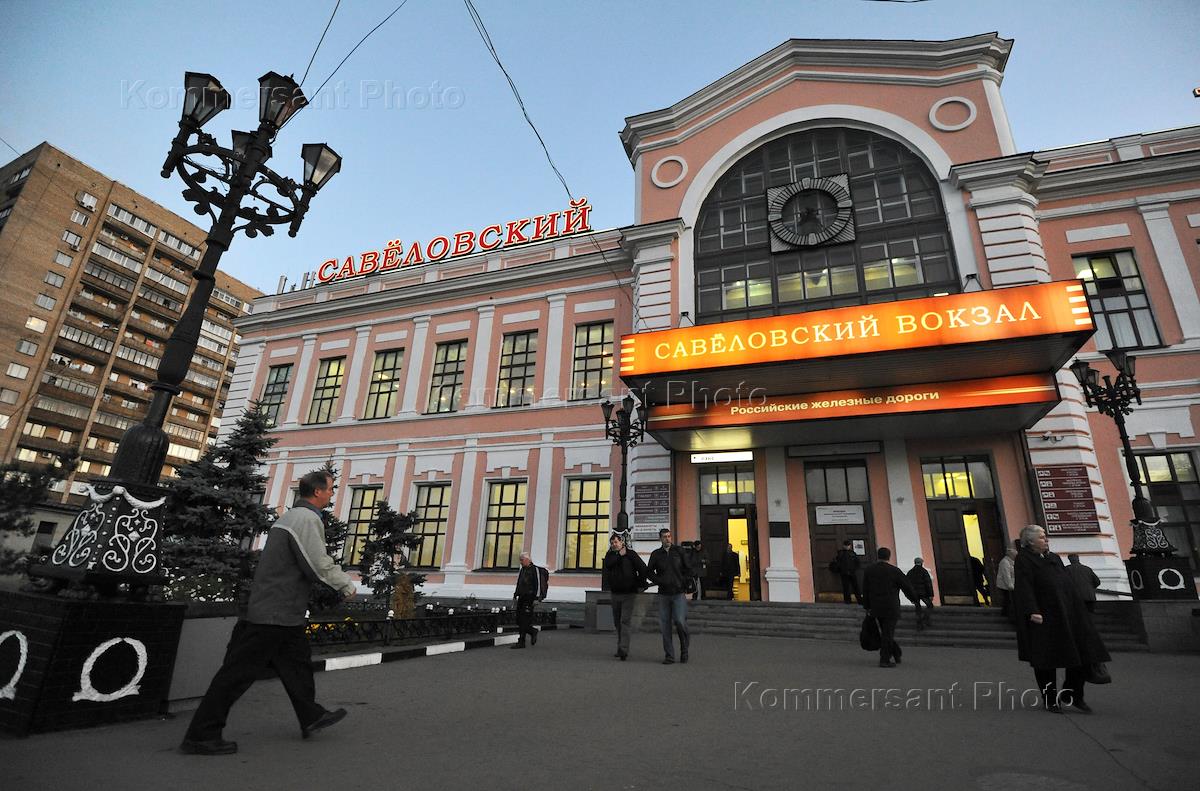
1054	628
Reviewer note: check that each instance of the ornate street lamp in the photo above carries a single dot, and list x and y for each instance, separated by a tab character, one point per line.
1152	551
625	429
117	537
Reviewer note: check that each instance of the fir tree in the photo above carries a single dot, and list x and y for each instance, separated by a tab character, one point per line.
23	487
214	511
389	542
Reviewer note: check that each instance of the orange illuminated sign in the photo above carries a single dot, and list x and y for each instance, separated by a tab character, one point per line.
900	399
1020	312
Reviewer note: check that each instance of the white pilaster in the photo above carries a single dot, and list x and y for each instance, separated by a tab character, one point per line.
1180	284
1002	195
240	388
552	389
477	399
416	369
783	580
300	383
541	521
357	354
456	568
902	503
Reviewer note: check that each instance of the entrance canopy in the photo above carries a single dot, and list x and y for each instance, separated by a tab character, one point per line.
981	362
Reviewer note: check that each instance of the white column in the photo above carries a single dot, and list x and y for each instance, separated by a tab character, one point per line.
1002	196
354	377
1174	268
397	491
783	580
540	519
416	366
477	397
278	482
903	504
552	390
300	383
456	568
240	395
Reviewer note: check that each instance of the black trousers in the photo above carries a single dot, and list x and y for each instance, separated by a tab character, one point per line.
850	583
1072	688
524	617
252	647
888	649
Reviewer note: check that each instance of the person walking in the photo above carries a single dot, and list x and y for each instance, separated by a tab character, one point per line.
979	576
1006	580
922	585
846	564
882	586
272	631
697	565
1054	628
625	572
531	588
1085	581
666	569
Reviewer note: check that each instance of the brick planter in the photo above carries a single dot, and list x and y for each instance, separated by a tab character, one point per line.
66	663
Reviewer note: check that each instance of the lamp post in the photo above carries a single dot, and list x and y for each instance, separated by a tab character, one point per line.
625	429
116	538
1153	571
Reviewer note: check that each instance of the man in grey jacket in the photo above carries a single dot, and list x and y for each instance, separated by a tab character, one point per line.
272	631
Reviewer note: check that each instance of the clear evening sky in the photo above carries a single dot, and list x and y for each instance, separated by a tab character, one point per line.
433	140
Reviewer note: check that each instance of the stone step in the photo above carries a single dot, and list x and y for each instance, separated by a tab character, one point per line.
913	637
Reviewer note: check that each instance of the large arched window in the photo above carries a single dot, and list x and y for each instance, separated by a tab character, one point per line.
900	247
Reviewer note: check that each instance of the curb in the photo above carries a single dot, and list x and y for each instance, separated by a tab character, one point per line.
350	661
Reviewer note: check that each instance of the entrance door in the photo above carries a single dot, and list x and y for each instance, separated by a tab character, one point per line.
720	527
839	509
962	530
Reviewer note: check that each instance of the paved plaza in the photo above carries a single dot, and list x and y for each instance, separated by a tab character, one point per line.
745	713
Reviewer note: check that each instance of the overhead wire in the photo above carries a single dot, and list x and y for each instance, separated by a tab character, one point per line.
318	47
481	28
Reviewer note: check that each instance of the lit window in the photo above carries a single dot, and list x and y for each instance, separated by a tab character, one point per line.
35	324
274	391
385	384
588	506
1118	299
592	373
326	390
445	386
518	363
364	503
433	515
504	533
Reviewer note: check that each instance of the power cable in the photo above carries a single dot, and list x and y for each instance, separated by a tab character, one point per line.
323	32
343	60
5	142
481	28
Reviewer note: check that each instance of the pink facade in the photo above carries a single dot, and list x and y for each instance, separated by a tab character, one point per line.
942	204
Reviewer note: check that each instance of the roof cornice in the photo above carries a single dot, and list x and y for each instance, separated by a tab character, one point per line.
986	56
1128	174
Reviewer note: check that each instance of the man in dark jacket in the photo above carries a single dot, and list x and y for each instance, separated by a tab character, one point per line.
1054	629
846	565
922	585
625	573
529	590
667	569
272	631
1085	581
882	585
731	569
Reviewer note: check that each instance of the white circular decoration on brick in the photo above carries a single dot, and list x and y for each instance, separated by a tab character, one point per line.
9	690
938	105
88	692
683	171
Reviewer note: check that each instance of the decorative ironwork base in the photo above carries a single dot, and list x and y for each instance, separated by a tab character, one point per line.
1149	538
116	539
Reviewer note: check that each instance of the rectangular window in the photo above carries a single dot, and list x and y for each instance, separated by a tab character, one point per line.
504	533
592	373
385	384
1118	299
45	301
72	239
85	338
131	219
20	174
326	390
8	396
445	386
433	515
274	392
588	506
958	478
55	279
175	243
1174	488
518	363
7	210
27	347
62	259
726	484
18	371
364	501
79	217
87	200
35	324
